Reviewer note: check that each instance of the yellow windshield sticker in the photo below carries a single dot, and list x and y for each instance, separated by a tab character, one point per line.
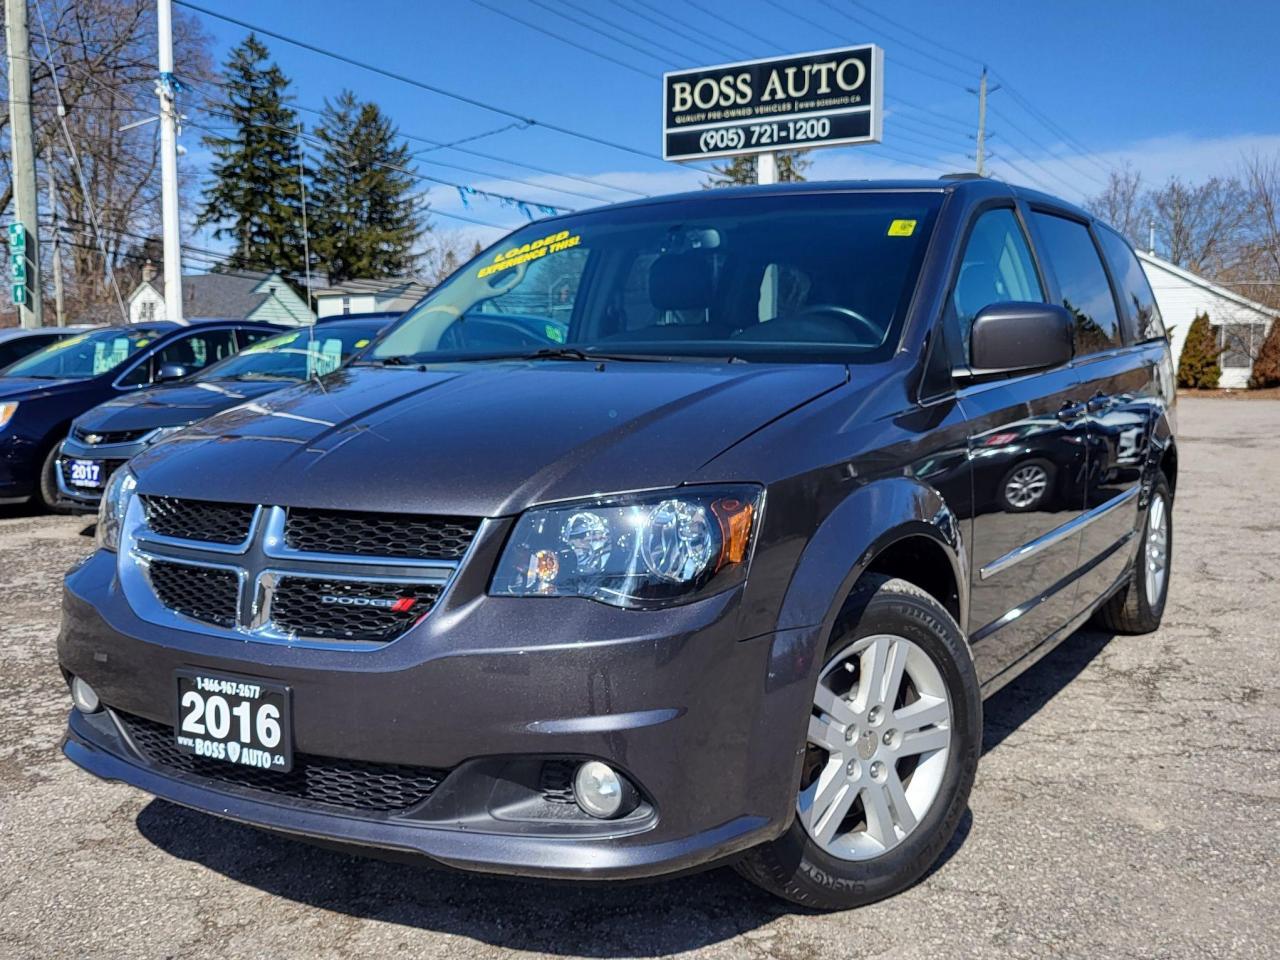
361	343
141	343
536	250
902	228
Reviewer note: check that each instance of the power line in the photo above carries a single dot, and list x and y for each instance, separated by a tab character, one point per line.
970	64
390	166
863	24
1065	157
421	84
736	24
456	146
664	26
565	40
600	30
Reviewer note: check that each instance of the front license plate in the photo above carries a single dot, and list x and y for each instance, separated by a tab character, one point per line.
86	473
236	720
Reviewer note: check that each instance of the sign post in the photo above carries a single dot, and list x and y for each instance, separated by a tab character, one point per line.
821	99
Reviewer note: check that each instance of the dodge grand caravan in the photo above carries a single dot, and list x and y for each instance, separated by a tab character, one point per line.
719	574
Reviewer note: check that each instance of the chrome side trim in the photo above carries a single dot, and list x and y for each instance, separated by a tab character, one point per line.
1057	534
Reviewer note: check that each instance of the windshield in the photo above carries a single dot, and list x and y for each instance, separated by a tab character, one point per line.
296	355
88	355
783	277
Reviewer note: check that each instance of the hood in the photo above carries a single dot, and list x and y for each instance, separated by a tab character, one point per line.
479	439
173	406
20	388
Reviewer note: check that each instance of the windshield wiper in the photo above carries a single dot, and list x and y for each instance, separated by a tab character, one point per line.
573	353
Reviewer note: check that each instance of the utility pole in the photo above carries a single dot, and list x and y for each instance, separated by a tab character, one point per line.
982	124
57	241
26	291
169	219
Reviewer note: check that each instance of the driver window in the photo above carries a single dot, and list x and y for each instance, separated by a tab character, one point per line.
996	268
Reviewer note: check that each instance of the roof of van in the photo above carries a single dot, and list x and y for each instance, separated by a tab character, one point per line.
952	183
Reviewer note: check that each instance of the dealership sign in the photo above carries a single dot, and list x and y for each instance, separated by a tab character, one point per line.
808	100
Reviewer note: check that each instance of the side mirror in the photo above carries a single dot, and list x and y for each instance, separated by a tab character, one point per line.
1020	337
170	372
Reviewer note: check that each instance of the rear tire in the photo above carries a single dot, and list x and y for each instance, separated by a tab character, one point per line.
47	490
831	864
1138	606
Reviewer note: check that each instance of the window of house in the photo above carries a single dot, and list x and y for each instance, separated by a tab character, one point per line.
346	304
148	311
1240	343
1086	291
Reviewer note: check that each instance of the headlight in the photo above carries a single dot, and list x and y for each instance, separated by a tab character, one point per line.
644	550
115	504
155	436
7	410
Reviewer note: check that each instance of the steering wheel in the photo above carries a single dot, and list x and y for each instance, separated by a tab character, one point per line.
851	318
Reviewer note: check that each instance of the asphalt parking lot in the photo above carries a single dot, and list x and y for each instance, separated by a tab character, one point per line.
1128	803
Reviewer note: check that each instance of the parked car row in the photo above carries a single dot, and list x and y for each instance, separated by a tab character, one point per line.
75	403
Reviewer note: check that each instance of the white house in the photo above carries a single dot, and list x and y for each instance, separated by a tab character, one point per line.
369	296
1241	324
243	295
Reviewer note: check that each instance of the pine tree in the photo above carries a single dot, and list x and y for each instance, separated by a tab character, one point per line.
256	195
1199	367
365	222
742	170
1266	368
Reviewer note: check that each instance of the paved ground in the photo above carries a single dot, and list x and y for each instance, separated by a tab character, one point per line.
1128	803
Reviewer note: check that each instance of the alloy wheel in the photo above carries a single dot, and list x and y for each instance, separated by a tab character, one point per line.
1156	561
879	737
1026	486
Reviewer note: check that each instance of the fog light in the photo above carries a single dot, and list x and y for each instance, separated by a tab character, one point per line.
83	697
602	792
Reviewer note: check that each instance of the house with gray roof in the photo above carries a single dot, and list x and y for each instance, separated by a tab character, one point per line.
242	295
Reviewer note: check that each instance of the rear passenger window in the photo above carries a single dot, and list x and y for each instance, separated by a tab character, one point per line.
997	268
1142	314
1086	293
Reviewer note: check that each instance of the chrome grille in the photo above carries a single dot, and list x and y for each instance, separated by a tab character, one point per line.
204	520
379	534
231	568
332	781
366	611
209	594
103	437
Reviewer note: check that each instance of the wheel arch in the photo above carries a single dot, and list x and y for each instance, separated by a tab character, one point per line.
896	527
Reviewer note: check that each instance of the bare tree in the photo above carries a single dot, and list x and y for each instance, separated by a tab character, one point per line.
103	52
1200	226
1124	205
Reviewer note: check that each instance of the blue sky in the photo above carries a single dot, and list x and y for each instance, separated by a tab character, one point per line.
1174	88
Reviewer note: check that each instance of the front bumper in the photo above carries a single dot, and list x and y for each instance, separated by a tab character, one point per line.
111	456
709	726
20	464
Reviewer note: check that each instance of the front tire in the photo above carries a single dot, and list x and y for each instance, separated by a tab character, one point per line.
47	490
892	747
